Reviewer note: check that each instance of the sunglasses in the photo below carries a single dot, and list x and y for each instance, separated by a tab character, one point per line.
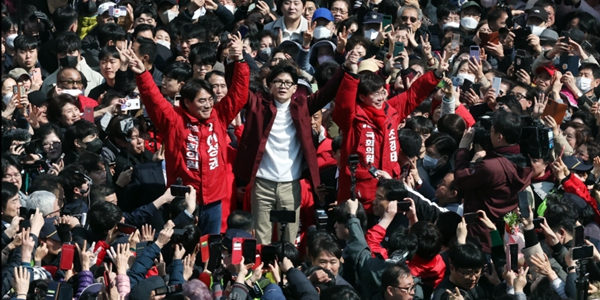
406	18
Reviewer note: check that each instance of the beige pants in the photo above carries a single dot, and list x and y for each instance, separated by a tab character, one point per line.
269	195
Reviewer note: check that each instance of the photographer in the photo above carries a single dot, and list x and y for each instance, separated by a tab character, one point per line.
492	183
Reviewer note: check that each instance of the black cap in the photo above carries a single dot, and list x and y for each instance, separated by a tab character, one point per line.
37	98
538	12
49	230
373	18
576	164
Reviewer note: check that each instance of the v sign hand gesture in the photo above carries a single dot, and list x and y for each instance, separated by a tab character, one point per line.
308	35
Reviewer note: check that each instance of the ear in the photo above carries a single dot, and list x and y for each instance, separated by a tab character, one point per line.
78	143
597	81
145	58
389	290
426	115
363	97
318	290
110	43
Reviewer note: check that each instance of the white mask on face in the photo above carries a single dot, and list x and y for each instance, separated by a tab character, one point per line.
583	84
488	3
451	25
168	15
371	34
164	43
231	8
321	32
10	40
73	92
463	76
324	58
537	30
469	23
6	98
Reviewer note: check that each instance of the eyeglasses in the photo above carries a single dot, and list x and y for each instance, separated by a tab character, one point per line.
406	290
381	93
285	84
71	82
406	18
52	145
338	10
471	273
518	95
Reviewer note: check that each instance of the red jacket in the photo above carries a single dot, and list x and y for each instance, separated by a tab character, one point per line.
325	154
573	185
196	150
86	102
461	110
431	272
362	137
260	115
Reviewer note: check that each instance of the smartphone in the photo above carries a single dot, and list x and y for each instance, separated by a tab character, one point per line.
387	20
131	104
243	30
268	255
398	48
475	51
441	85
214	259
179	190
513	257
403	205
569	64
466	85
537	223
476	88
455	41
524	204
53	290
204	247
88	114
169	289
471	218
373	171
578	236
249	251
126	228
236	252
496	85
66	256
566	36
19	90
583	252
177	237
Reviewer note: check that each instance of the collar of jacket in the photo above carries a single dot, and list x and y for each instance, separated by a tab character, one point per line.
191	119
362	115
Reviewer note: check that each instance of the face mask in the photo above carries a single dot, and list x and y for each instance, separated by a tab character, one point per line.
94	146
168	15
231	8
69	61
321	32
583	84
10	40
451	25
6	98
199	13
264	54
371	34
349	36
469	23
164	43
463	76
488	3
537	30
324	58
73	93
429	163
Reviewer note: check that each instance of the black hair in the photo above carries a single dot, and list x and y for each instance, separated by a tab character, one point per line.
560	213
495	14
544	291
213	26
253	42
445	10
467	256
103	216
10	161
193	31
45	182
444	143
509	125
47	129
191	89
325	71
316	236
17	134
410	142
453	125
99	192
56	104
148	47
72	176
593	67
64	17
25	42
179	71
90	162
425	106
114	129
145	9
283	68
214	73
429	239
201	54
38	289
190	237
291	252
109	52
392	273
240	219
143	27
9	191
400	240
110	32
78	131
341	292
325	245
342	216
336	144
394	189
8	23
323	286
357	40
369	83
447	223
587	23
420	125
511	102
67	42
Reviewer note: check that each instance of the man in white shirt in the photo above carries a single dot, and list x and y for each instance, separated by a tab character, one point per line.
292	24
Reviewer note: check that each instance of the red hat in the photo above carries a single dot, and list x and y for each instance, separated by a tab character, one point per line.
548	68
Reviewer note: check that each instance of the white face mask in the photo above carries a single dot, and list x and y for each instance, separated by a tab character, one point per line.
583	84
164	43
73	92
6	98
321	32
10	40
199	13
469	23
371	34
463	76
168	15
231	8
537	30
488	3
324	58
451	25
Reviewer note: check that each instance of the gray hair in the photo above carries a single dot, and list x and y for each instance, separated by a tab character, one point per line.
43	200
403	8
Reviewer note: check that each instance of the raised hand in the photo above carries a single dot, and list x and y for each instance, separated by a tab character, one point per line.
308	34
165	235
236	47
351	63
147	233
135	63
342	40
21	281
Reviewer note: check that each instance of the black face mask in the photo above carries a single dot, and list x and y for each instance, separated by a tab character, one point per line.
69	61
94	146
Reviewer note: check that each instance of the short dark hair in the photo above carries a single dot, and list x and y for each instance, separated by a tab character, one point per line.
72	176
145	9
467	256
9	22
143	27
291	252
9	161
420	125
394	189
341	292
25	42
68	42
560	213
509	125
110	32
400	240
179	71
429	239
452	124
369	83
109	52
45	182
147	47
191	89
342	216
325	71
447	223
193	31
99	192
16	134
240	219
495	14
64	17
325	245
410	142
443	143
213	25
214	73
446	9
56	104
511	102
283	68
78	131
593	67
9	191
253	42
392	273
202	54
90	162
103	216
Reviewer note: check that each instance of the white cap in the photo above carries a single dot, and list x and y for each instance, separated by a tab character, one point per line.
104	7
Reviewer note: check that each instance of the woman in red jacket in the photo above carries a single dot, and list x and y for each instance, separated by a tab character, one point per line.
195	134
369	125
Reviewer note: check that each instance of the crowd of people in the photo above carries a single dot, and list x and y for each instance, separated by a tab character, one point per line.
300	149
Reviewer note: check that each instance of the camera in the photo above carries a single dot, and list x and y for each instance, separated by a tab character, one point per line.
482	129
321	218
536	140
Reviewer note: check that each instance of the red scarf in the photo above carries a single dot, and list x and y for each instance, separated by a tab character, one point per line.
377	116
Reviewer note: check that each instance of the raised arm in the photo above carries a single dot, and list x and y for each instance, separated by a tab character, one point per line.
345	100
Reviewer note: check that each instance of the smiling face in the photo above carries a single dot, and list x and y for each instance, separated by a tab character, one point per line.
201	106
13	176
70	114
375	99
12	207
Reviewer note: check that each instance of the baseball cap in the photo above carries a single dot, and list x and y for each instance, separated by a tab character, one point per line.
368	65
546	68
373	18
104	7
576	164
323	13
549	35
49	230
230	234
577	35
16	73
37	98
538	12
273	292
470	4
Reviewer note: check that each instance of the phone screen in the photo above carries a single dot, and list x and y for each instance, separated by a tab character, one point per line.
497	84
268	254
236	253
249	251
524	204
471	218
398	48
578	236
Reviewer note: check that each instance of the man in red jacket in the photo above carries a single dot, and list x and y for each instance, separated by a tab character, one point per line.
369	125
195	134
